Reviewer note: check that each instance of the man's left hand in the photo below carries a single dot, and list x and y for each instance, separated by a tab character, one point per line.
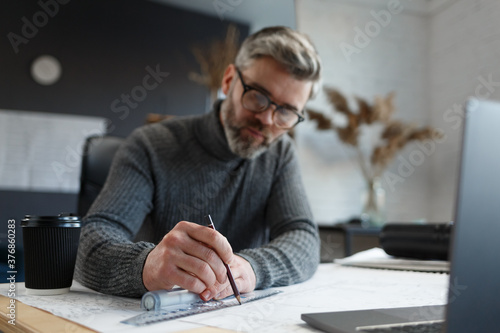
243	275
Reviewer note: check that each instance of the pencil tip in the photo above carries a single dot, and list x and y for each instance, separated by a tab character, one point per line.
238	298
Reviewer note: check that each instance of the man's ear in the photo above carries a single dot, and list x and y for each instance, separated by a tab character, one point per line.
229	74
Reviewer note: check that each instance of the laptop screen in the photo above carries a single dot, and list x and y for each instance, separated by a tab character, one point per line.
474	293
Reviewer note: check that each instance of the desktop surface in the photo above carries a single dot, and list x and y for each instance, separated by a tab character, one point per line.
332	288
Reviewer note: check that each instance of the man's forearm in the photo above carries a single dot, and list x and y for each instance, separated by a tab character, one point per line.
109	262
290	258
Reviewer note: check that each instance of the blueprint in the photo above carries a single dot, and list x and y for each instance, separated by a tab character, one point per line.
333	288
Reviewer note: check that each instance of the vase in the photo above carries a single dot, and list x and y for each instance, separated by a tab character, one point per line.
373	214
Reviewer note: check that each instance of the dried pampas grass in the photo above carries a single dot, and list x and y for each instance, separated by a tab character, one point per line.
394	137
214	59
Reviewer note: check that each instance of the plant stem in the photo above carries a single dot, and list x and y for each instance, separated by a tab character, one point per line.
362	163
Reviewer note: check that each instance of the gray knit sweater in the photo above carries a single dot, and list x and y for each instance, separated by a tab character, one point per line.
183	169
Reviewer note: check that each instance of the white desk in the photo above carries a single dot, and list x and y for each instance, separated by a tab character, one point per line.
332	288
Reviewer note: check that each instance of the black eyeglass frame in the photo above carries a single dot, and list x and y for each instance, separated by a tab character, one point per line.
247	88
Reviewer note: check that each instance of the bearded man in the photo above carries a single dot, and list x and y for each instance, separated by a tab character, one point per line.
235	163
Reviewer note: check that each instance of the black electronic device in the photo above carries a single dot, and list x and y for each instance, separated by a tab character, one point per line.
418	241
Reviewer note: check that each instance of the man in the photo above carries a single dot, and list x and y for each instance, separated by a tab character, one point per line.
235	163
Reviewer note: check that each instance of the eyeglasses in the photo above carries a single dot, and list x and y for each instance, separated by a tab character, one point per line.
255	101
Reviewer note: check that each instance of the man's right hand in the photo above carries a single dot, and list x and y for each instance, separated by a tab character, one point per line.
189	256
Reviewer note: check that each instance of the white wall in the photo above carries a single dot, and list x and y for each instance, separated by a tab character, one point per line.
392	58
433	54
464	48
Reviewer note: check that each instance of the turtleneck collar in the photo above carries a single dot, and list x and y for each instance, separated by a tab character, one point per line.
211	135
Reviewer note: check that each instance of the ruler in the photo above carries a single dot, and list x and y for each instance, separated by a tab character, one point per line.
185	310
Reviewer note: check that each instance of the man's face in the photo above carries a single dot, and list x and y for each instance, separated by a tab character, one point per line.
250	133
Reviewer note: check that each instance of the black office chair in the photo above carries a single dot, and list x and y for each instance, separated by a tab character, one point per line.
98	153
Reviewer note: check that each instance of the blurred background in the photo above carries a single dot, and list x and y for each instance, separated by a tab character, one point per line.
70	69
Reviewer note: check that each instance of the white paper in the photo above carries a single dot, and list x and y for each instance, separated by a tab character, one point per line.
43	151
332	288
89	308
377	258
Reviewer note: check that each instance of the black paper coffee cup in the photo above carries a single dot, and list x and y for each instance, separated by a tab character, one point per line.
50	248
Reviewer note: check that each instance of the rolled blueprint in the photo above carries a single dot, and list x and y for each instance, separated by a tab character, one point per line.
155	300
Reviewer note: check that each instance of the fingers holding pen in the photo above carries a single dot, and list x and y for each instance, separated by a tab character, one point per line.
187	256
209	246
203	262
167	266
214	240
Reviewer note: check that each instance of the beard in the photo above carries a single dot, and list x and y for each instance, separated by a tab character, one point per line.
244	146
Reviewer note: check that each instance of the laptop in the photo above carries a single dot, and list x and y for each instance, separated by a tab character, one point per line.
474	286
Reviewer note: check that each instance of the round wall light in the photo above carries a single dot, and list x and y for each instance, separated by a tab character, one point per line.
46	70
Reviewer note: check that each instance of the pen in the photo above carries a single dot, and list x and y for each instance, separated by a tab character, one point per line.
236	292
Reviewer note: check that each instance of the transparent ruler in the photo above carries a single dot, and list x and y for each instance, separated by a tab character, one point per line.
179	311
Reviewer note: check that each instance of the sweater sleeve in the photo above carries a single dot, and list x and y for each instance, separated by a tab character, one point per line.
292	255
108	260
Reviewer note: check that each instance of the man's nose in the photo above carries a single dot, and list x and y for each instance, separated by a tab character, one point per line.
266	117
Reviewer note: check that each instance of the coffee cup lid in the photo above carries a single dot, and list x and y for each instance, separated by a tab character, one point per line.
63	220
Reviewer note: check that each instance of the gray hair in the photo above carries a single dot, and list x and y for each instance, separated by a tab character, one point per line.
293	50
